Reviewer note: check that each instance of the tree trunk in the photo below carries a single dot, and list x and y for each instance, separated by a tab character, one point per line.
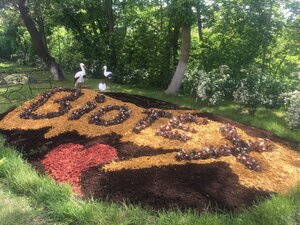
38	42
166	59
175	46
169	53
199	23
183	60
111	24
267	37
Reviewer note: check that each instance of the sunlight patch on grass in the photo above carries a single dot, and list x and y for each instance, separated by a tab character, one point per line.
17	210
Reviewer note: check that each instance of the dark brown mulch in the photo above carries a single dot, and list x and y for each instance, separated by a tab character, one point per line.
182	186
144	102
34	146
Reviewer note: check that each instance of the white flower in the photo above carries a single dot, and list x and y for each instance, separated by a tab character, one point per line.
292	103
212	85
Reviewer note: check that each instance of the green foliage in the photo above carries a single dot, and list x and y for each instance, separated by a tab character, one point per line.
292	103
64	48
139	40
215	85
191	80
136	77
258	89
8	34
183	9
25	55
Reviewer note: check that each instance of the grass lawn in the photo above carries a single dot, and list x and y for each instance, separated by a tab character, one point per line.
24	192
18	210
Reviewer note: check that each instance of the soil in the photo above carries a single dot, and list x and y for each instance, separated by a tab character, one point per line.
181	186
149	174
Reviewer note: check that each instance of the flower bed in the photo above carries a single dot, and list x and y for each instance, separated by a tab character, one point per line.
124	147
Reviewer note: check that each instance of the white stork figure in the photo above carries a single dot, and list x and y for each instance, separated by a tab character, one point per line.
79	76
106	73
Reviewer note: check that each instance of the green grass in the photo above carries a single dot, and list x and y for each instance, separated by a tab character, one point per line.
64	208
17	209
36	199
12	67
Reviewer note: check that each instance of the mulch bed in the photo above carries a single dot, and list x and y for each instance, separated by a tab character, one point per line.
67	162
90	165
167	187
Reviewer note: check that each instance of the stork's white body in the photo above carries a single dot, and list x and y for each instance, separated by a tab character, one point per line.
102	86
106	73
79	76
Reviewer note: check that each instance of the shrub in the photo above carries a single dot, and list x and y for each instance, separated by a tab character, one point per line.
134	76
190	81
215	85
256	89
292	103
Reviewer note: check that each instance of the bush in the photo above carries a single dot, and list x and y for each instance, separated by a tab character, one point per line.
215	85
257	89
134	76
292	103
190	81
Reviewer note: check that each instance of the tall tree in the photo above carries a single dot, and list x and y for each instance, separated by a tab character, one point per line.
267	33
175	84
111	33
199	6
186	18
38	39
